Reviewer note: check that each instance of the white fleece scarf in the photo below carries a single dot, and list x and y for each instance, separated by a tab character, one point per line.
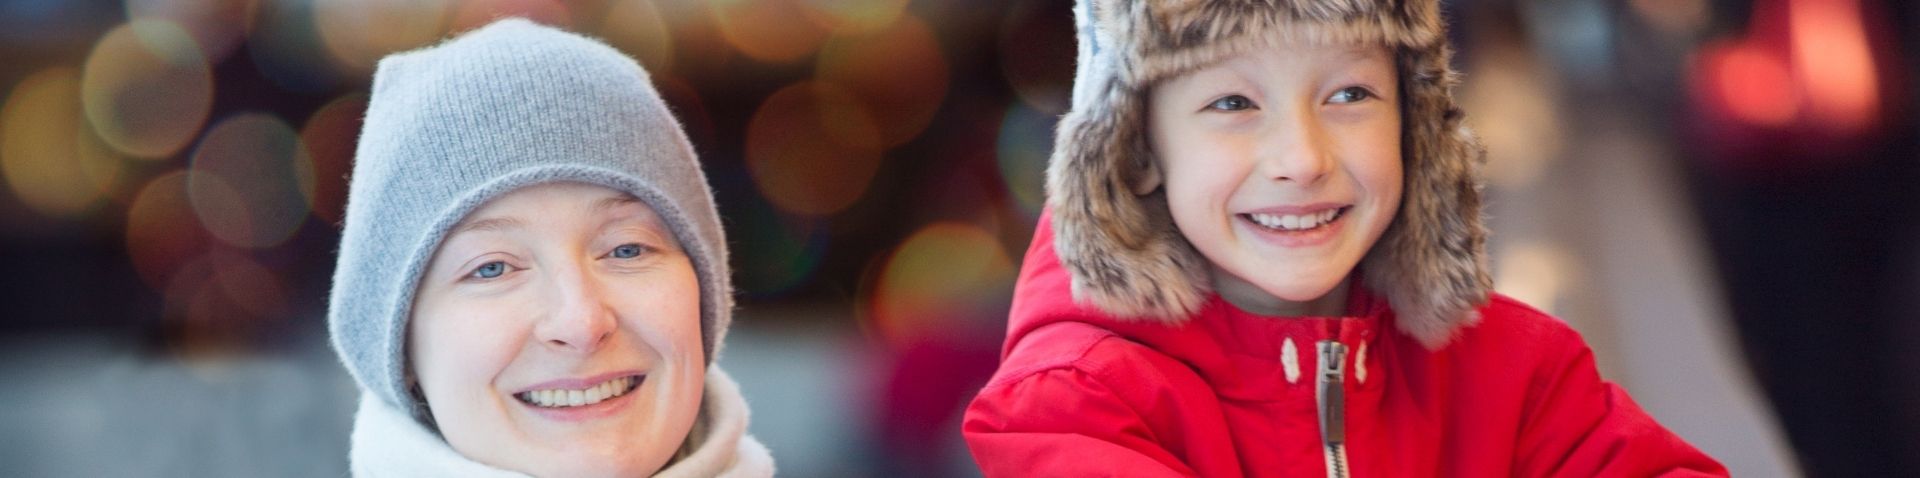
388	442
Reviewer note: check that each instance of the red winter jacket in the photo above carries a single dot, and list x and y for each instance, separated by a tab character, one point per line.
1079	393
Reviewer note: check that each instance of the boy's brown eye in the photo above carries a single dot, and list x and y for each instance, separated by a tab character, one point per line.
1351	94
1231	103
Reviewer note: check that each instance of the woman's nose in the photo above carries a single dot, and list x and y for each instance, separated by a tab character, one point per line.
580	317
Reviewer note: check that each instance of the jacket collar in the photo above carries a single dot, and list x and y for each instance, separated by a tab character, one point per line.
1240	353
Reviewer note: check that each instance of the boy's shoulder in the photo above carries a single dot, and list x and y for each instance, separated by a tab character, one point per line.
1506	324
1081	348
1505	312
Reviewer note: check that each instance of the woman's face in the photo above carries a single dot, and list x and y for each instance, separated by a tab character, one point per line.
1282	167
557	332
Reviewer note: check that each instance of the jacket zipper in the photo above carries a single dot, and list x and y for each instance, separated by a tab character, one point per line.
1332	399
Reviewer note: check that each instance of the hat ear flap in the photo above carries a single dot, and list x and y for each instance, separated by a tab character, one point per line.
1430	263
1120	246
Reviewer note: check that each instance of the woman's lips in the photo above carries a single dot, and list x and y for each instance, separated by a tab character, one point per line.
581	399
578	383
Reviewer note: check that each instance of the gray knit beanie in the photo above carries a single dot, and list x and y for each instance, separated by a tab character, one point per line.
503	107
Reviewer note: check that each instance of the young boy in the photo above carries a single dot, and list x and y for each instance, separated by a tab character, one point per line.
1263	256
533	278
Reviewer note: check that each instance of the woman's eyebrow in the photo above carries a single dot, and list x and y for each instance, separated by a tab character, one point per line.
608	203
492	224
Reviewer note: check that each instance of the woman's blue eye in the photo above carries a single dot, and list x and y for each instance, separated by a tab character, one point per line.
627	251
1231	103
490	270
1351	94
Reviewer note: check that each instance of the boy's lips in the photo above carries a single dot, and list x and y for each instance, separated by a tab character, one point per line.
1295	226
1297	208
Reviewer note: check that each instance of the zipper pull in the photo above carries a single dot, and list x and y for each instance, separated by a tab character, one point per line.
1332	394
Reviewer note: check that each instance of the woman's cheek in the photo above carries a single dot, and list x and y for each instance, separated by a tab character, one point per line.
668	314
474	338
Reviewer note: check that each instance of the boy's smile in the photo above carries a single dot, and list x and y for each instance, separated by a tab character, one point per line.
1282	168
1295	226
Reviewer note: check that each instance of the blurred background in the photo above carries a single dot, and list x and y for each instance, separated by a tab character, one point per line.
1719	194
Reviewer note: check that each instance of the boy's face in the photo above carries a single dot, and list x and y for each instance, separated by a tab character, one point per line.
548	297
1282	166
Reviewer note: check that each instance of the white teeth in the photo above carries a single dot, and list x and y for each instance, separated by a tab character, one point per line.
1292	222
575	398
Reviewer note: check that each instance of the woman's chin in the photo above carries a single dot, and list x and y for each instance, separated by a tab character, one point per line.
569	466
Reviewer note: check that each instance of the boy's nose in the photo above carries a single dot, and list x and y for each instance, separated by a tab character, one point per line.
581	319
1296	151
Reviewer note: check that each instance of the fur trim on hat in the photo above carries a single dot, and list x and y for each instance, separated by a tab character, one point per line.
1121	246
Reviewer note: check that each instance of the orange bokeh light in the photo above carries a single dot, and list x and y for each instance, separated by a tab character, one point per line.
330	136
898	74
768	30
852	17
357	33
944	276
162	233
146	88
1834	64
471	14
51	159
639	28
811	149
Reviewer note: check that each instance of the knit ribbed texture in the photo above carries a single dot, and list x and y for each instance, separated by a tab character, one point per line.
503	107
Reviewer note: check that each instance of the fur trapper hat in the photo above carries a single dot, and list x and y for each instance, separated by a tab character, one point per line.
1121	246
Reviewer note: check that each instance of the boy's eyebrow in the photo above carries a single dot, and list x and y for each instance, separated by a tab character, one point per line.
1363	53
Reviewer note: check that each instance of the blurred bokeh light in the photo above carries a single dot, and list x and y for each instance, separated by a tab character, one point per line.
944	277
329	136
51	157
251	180
896	73
812	148
768	30
147	88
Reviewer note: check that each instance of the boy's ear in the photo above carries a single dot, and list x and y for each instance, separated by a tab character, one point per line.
1149	178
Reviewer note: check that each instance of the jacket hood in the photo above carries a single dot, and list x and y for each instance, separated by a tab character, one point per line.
389	442
1120	246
